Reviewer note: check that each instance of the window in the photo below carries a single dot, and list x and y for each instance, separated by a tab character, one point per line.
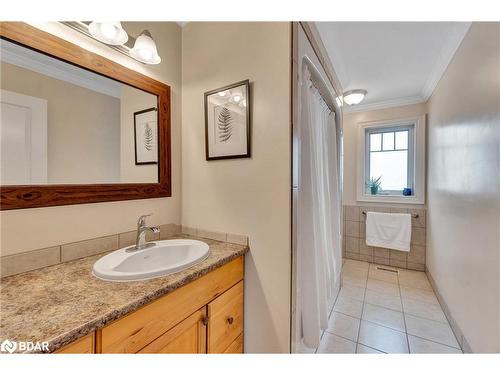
393	152
389	156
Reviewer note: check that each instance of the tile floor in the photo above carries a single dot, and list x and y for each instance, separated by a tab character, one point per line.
379	311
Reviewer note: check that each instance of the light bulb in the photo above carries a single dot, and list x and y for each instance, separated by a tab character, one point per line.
222	93
237	98
146	54
108	32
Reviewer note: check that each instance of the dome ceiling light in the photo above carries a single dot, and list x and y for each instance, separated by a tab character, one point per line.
354	97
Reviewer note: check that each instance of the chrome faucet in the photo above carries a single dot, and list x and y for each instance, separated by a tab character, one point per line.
141	232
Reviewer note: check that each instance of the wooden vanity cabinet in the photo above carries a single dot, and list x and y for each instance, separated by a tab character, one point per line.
203	316
225	319
84	345
189	336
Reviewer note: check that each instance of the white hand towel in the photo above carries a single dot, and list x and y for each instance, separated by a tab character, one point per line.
392	231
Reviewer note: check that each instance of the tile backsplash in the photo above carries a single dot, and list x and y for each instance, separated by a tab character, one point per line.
354	244
31	260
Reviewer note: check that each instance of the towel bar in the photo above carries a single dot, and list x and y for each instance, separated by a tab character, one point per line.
415	216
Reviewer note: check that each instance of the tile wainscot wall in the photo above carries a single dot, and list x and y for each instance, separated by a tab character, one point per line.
354	243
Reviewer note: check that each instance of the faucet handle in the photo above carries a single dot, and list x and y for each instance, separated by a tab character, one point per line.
142	219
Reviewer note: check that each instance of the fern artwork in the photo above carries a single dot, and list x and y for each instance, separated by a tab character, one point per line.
146	139
225	125
227	122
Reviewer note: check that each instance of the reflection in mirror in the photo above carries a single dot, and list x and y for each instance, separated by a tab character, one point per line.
61	124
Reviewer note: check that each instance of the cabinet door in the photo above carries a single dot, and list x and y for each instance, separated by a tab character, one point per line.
187	337
84	345
225	319
236	347
136	330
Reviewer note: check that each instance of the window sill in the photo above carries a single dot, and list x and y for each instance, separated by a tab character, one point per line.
412	199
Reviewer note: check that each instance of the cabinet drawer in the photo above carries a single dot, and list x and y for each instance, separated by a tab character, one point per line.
225	319
84	345
236	347
187	337
135	331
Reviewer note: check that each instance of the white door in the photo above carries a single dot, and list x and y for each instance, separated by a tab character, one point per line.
23	139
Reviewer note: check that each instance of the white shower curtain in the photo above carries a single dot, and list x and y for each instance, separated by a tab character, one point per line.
318	213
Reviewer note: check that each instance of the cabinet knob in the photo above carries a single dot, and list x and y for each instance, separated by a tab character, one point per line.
230	320
204	321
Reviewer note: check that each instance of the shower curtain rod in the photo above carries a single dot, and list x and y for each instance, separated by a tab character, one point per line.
320	84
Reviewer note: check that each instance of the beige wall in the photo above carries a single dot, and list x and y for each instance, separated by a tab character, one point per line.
133	100
23	230
351	121
463	243
83	127
248	196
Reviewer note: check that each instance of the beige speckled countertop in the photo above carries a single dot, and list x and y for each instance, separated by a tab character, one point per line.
64	302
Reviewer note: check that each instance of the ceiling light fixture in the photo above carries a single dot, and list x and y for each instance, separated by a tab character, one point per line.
354	97
108	32
145	49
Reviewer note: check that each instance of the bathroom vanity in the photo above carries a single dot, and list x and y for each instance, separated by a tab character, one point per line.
205	316
196	310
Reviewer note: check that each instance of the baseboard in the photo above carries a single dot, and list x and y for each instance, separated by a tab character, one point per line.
457	331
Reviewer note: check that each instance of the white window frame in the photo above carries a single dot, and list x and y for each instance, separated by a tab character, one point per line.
416	161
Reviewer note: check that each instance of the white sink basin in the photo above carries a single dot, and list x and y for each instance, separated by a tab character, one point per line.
164	258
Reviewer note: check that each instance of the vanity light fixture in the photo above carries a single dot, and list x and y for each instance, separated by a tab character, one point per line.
108	32
354	97
145	49
142	49
222	93
237	98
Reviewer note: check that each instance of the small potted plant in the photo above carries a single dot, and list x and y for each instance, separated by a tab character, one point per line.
374	185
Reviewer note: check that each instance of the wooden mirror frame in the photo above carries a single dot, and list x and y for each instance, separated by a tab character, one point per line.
29	196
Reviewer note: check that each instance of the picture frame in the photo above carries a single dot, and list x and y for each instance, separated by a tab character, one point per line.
228	122
146	136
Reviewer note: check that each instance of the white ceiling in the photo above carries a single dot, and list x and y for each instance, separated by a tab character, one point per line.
397	62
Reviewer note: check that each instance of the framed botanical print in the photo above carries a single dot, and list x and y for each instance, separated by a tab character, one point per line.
146	136
227	122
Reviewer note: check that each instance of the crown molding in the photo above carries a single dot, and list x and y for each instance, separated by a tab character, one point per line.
52	67
447	53
390	103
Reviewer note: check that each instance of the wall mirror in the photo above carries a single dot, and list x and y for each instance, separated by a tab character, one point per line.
76	127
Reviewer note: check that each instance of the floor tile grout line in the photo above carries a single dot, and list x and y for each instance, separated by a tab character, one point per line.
459	342
403	312
371	347
432	320
362	308
342	337
434	342
383	307
382	325
442	310
404	316
441	307
331	311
